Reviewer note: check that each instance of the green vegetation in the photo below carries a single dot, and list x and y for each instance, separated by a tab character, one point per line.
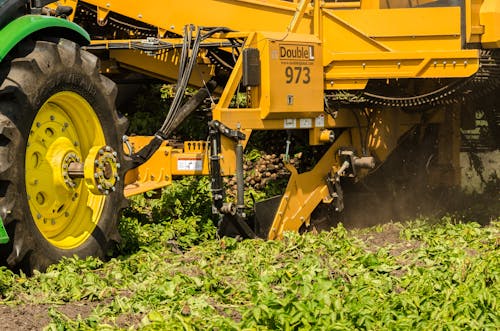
174	274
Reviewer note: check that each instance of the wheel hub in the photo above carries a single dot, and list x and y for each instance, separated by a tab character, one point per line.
101	170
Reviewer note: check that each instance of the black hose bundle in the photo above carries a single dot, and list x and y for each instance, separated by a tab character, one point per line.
176	113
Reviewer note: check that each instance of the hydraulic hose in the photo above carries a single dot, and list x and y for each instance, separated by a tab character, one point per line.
176	113
191	105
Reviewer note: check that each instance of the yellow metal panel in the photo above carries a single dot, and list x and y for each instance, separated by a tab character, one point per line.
425	64
404	22
370	4
168	161
292	75
387	30
242	15
490	19
154	174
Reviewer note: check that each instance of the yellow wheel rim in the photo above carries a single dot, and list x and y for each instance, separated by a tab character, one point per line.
64	131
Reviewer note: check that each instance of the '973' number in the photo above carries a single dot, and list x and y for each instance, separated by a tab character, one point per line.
297	75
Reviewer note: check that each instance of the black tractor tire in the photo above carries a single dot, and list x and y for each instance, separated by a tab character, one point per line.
48	69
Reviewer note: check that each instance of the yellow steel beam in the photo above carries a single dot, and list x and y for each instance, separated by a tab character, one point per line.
428	64
190	159
297	17
341	5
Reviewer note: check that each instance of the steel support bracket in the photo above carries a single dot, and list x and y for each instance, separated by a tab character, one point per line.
236	135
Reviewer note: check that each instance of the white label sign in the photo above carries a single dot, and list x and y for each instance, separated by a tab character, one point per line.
319	121
305	123
190	164
290	123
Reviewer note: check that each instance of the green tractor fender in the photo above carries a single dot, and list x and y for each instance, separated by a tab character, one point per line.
27	25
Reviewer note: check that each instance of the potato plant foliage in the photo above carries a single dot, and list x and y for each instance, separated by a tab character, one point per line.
171	272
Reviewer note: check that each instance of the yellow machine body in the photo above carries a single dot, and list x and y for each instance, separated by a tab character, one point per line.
303	50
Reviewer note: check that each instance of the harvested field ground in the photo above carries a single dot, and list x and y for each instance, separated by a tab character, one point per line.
171	272
418	275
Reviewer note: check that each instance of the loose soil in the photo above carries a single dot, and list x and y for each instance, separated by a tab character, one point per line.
29	317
